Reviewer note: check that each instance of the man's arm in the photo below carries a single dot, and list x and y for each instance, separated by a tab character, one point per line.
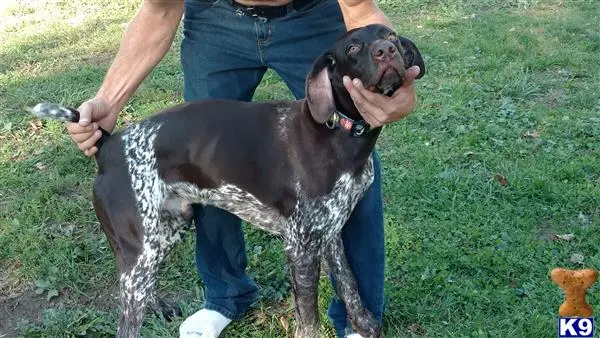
145	42
358	13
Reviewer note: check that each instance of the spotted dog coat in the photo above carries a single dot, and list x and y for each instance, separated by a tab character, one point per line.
282	166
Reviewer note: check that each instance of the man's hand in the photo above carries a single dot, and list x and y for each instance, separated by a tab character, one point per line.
145	42
379	109
86	133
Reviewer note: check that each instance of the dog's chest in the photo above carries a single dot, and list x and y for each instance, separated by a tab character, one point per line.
318	220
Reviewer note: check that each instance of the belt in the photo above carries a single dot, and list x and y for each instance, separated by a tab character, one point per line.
271	12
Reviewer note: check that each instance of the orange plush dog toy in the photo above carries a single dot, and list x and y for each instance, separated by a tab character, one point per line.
574	283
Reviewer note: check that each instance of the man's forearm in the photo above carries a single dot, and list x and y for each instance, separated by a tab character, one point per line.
145	42
359	13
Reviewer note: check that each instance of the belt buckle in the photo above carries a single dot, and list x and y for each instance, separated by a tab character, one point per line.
251	11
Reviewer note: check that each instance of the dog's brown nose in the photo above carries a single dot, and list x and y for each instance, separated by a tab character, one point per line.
383	50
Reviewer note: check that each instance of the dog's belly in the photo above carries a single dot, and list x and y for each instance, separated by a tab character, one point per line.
227	197
315	220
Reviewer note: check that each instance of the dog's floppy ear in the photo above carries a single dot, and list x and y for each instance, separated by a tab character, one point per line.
319	92
412	56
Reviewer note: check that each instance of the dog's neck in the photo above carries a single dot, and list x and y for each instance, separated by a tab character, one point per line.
364	144
351	151
344	104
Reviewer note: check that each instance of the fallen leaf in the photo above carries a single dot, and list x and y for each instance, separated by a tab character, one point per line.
284	323
41	166
532	134
51	294
501	179
35	125
577	258
260	316
417	329
584	219
565	237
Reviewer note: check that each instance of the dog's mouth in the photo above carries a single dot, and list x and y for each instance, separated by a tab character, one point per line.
387	80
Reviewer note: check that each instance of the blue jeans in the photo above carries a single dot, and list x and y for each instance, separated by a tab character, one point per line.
225	55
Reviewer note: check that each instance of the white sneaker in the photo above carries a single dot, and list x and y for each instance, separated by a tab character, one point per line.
203	324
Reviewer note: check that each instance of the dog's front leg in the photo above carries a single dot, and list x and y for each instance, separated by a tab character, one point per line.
361	318
304	266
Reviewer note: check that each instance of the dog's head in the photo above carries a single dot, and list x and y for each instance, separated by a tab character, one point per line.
374	54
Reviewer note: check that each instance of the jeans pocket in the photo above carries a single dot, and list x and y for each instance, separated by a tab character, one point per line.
194	8
195	17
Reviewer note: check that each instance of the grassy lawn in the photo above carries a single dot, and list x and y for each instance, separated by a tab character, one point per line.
501	157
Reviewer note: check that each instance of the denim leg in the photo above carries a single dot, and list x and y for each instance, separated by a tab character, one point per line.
298	39
220	60
221	261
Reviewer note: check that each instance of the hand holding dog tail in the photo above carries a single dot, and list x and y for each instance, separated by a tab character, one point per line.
55	112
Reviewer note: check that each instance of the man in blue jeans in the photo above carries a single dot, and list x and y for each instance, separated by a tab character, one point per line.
227	47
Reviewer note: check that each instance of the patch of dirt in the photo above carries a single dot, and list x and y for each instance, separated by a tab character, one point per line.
96	58
23	303
10	285
557	10
555	97
546	233
27	306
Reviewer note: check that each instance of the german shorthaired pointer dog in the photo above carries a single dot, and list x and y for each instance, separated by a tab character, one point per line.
293	168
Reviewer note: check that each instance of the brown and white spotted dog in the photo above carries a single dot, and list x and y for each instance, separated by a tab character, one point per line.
293	168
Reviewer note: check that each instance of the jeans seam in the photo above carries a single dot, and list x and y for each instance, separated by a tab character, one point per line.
258	44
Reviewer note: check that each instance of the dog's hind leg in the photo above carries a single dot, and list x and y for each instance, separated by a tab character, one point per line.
305	278
137	287
133	237
138	282
175	222
361	318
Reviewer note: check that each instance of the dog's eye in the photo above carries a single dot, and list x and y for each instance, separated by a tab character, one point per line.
392	37
353	49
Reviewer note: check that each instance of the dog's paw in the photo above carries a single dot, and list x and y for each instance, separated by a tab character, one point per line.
366	325
166	309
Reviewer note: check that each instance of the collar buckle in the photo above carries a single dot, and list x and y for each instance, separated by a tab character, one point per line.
341	121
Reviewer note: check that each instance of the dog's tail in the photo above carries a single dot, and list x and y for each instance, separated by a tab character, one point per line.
55	112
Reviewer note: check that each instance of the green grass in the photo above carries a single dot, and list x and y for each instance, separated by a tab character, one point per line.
501	153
